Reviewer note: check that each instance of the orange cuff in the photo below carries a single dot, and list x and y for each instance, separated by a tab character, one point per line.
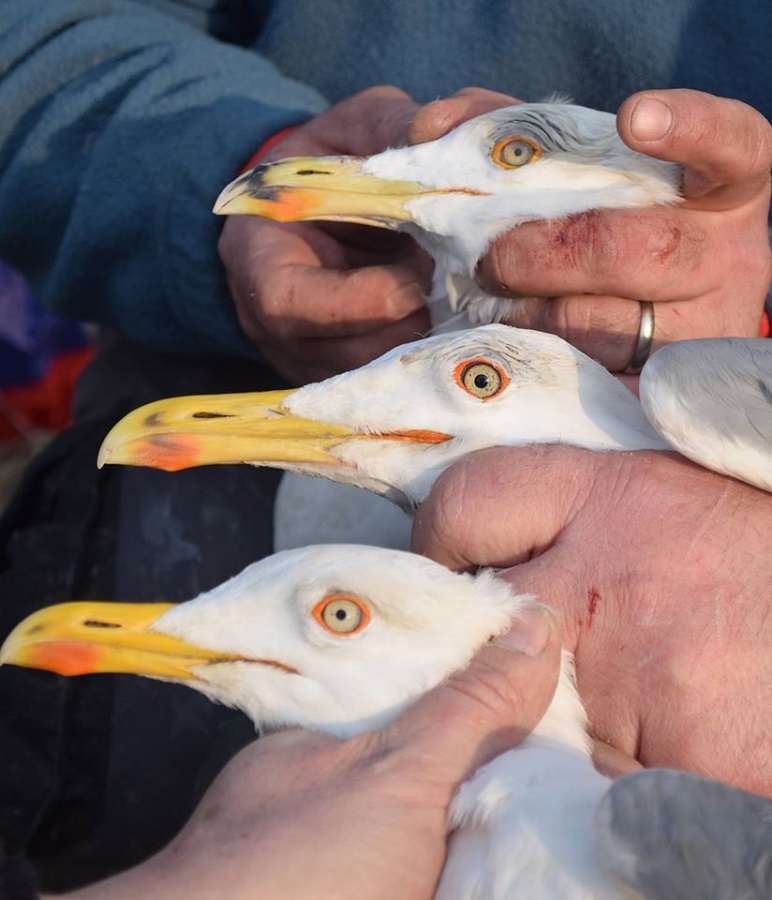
764	329
265	147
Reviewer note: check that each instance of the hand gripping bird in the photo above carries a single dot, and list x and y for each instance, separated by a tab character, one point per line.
392	426
454	196
457	194
341	639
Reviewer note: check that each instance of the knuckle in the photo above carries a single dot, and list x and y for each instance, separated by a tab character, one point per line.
391	114
662	253
270	307
493	689
433	120
678	243
589	332
279	327
725	133
631	245
499	268
583	242
572	318
382	92
588	243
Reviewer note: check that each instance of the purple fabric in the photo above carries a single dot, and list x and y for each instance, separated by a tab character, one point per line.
30	337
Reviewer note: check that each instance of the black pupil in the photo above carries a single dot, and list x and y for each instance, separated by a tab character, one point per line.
519	151
341	614
481	381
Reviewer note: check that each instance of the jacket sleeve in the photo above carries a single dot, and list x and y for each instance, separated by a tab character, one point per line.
119	127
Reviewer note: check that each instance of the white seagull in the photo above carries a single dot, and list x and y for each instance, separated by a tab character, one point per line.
341	639
454	196
392	426
457	194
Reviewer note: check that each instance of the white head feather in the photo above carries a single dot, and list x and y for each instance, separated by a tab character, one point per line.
423	622
551	393
457	194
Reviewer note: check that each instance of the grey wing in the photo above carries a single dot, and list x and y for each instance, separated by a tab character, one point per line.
676	836
711	399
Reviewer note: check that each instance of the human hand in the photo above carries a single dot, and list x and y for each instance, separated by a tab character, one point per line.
300	814
318	298
705	264
661	571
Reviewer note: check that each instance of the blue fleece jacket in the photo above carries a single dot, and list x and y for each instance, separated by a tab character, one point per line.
121	121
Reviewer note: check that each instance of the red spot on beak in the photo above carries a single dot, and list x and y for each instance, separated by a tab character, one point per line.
167	452
65	657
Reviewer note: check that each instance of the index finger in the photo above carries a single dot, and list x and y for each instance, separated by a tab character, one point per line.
724	145
441	116
302	287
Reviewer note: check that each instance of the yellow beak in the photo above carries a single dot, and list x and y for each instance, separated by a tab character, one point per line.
329	187
83	638
184	432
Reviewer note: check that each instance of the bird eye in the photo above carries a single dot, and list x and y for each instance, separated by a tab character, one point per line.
481	378
342	614
511	153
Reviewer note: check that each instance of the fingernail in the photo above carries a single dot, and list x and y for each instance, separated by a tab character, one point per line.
651	119
530	632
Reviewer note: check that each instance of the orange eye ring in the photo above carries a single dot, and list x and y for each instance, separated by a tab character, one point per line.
341	614
514	152
481	378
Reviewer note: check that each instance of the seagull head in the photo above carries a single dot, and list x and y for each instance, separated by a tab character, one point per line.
395	424
455	195
338	638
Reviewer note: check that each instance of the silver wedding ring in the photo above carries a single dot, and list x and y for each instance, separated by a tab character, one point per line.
645	339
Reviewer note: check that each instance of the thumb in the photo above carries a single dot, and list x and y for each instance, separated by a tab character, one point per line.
523	510
724	145
490	706
500	507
